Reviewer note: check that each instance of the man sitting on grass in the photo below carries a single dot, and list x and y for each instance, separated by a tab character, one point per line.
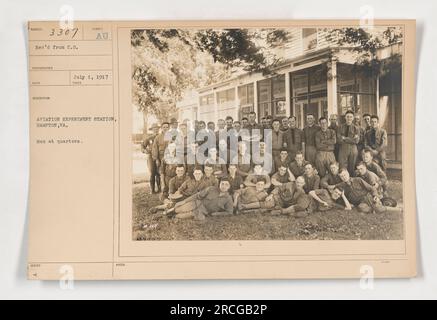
361	194
289	199
323	200
256	174
283	175
375	168
332	178
212	201
250	197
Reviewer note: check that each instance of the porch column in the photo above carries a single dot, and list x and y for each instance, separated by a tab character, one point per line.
332	87
215	107
255	99
287	94
237	104
377	96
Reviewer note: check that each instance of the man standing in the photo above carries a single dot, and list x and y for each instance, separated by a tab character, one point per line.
309	139
229	123
348	136
367	125
362	132
174	126
269	120
255	130
146	147
376	142
244	122
158	148
284	124
293	138
277	139
333	124
325	145
242	160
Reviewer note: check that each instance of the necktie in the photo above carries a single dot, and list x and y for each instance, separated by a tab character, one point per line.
347	131
292	136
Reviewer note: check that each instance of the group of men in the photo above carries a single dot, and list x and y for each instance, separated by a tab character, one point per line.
271	166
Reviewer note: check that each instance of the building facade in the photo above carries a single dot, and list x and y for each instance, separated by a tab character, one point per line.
316	77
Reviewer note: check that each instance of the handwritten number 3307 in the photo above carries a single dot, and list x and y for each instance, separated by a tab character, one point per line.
65	32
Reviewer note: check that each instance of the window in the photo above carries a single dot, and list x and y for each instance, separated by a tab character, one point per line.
271	97
245	94
246	99
356	90
206	100
390	111
309	93
226	96
309	38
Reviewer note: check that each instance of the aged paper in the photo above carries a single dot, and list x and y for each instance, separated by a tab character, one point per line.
98	88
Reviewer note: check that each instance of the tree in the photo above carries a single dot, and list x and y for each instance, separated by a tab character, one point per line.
167	62
366	44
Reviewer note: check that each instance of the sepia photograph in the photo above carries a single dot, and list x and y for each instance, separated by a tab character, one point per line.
267	133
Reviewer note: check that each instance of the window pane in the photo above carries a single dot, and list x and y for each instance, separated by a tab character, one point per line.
309	38
299	83
264	90
226	96
279	87
318	79
345	78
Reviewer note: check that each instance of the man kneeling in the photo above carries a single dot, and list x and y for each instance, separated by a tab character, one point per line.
211	201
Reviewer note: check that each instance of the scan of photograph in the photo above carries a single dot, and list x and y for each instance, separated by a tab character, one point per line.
267	133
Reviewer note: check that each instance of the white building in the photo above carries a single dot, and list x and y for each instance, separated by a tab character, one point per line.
318	77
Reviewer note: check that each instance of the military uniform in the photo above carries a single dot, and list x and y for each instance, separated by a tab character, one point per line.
362	195
296	169
311	183
376	169
293	140
324	195
160	143
191	186
376	141
147	148
330	180
309	138
236	182
175	183
243	164
281	179
290	198
325	145
207	201
348	137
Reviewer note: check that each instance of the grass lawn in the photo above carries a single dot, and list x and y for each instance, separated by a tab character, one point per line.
331	225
